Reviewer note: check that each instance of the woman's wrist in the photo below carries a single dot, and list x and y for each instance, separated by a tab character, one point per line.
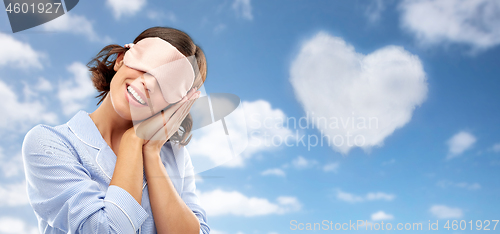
149	152
152	163
130	137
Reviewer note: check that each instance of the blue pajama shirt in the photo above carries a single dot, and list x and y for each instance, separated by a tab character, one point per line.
68	169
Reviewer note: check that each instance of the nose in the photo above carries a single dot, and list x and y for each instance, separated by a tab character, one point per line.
149	82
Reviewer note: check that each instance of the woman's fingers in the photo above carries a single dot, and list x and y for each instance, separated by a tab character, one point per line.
171	110
179	116
147	128
161	132
168	112
165	123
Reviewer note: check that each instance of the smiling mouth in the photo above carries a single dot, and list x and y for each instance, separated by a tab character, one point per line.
136	96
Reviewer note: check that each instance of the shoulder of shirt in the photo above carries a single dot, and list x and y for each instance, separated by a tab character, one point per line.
43	130
47	134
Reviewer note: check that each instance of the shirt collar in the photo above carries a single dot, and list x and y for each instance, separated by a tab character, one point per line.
85	129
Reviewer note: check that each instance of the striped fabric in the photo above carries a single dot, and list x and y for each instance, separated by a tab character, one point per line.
68	169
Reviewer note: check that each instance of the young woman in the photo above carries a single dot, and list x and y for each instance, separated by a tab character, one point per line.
114	171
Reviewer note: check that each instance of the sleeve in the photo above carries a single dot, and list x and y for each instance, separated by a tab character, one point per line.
190	197
63	194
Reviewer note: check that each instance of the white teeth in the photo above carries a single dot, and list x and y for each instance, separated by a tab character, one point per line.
136	96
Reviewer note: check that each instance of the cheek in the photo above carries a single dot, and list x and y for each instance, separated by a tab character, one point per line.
116	82
119	103
158	101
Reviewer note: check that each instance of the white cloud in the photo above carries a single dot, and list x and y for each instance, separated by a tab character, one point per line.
496	148
260	125
464	185
349	197
219	28
160	15
128	8
445	212
374	9
11	166
219	202
213	231
392	161
381	215
29	94
273	171
302	163
263	124
472	22
243	8
18	116
372	196
331	167
74	93
43	85
459	143
33	91
379	196
198	179
356	100
15	53
13	194
11	225
75	24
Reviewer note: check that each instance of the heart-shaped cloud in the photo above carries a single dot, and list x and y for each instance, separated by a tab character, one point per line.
356	100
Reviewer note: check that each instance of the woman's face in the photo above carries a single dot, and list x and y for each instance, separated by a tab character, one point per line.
129	90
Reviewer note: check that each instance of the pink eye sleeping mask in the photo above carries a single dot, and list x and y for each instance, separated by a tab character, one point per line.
173	71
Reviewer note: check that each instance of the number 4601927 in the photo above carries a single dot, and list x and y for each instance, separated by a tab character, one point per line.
462	225
41	8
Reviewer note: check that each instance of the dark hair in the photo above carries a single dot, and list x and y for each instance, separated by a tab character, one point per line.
102	67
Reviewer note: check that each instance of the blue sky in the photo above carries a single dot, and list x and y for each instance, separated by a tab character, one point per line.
426	70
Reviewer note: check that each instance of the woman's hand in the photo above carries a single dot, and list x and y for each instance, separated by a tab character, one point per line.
130	138
160	127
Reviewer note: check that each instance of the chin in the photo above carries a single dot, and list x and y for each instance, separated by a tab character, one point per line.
121	107
123	112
